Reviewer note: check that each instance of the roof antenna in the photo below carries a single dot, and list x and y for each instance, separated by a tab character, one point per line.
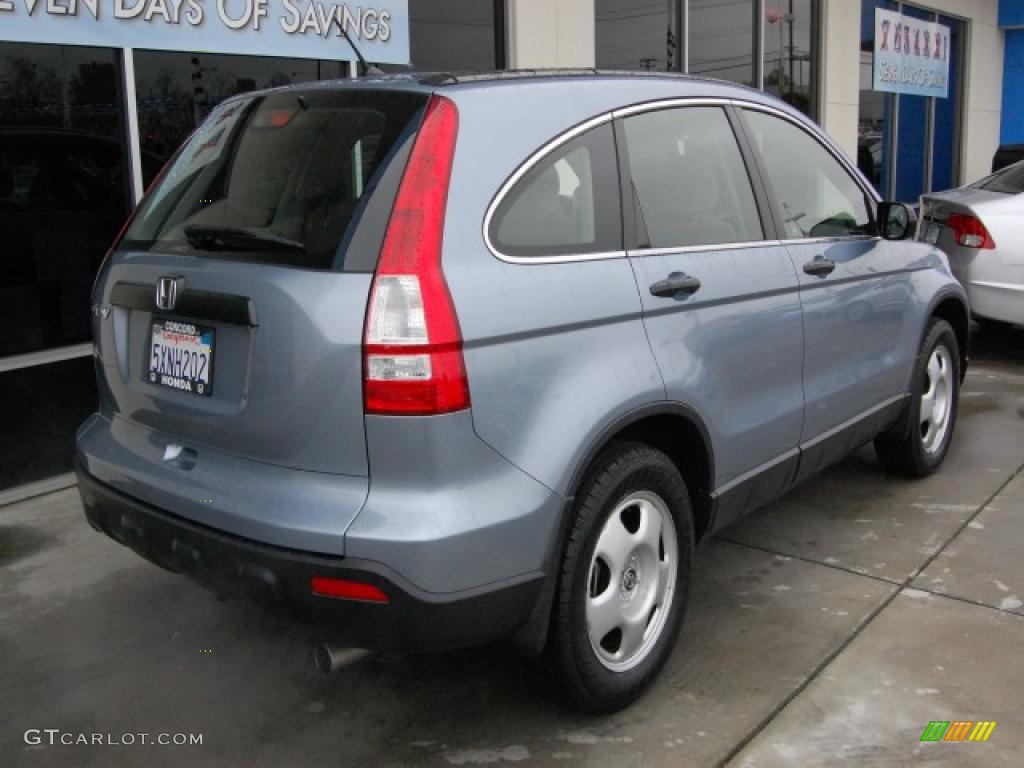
364	68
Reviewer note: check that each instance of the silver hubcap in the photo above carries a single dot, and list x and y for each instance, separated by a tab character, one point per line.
631	581
937	400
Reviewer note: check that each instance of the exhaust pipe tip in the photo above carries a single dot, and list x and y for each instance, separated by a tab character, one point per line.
330	658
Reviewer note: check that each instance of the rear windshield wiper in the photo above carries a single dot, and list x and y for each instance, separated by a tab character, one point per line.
237	239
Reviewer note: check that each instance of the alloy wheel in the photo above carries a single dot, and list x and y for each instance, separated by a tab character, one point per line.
937	400
631	581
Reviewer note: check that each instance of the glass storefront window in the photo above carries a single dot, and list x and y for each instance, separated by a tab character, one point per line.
64	194
41	406
63	188
789	43
912	153
909	145
721	39
636	35
175	91
875	108
946	132
454	36
457	35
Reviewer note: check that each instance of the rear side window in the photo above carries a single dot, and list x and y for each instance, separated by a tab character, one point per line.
284	178
690	184
1008	181
565	205
817	195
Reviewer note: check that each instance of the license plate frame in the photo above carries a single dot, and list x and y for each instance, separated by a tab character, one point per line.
188	372
932	232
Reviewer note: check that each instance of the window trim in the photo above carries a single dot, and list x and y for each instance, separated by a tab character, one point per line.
711	248
760	184
521	171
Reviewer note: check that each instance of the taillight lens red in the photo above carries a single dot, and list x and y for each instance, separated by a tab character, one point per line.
969	231
346	589
412	348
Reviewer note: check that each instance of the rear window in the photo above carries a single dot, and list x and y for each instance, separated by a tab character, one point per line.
303	178
1009	181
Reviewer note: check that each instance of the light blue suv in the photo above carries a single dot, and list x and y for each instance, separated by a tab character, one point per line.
436	361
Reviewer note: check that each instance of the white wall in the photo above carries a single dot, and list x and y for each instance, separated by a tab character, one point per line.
840	43
550	33
984	77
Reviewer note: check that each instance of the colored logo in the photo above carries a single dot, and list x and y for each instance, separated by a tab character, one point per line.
958	730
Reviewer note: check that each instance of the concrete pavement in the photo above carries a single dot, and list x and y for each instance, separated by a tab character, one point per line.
830	627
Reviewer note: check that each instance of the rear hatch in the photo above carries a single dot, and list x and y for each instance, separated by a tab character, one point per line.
237	295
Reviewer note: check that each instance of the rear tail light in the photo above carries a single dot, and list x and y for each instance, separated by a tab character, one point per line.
412	348
969	231
346	589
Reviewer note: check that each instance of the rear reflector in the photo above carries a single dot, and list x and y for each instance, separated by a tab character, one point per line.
412	348
969	231
348	590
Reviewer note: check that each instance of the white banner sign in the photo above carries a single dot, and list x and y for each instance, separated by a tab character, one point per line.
911	55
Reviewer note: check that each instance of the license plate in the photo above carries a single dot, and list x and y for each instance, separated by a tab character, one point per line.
931	233
181	356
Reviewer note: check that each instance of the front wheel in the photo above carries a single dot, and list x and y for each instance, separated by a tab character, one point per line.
917	445
623	584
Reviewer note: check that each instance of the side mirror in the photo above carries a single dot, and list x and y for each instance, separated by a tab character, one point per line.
896	221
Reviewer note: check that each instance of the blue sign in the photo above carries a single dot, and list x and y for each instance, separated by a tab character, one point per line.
911	55
306	29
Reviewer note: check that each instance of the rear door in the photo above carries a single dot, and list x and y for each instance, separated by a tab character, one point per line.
237	297
719	295
855	287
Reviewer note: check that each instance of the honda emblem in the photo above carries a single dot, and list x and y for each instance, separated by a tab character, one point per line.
167	289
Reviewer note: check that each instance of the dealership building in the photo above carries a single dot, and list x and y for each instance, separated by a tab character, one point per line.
95	95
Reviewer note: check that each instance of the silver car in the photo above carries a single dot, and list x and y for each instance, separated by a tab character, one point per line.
436	361
981	228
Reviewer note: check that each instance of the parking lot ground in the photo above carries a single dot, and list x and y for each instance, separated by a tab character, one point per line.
924	658
830	627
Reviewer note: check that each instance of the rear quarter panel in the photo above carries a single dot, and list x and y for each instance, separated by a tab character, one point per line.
554	352
931	282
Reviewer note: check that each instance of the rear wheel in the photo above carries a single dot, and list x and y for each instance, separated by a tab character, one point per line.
623	583
917	445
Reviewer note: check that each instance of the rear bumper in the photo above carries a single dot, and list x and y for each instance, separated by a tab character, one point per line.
412	620
993	280
997	300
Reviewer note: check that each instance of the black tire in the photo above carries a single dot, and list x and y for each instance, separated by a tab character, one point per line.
622	470
902	448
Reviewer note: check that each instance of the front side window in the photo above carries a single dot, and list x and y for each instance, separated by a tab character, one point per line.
689	181
817	195
565	205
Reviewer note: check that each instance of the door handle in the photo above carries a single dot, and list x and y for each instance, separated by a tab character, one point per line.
674	284
819	266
